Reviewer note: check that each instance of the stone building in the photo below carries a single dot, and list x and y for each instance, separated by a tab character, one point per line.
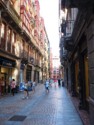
21	43
77	51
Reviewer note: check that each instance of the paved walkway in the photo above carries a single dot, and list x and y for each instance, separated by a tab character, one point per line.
53	108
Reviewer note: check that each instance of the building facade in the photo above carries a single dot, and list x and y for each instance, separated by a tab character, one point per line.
51	64
56	67
21	43
77	51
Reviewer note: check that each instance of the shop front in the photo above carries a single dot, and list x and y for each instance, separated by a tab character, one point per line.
7	69
29	73
37	75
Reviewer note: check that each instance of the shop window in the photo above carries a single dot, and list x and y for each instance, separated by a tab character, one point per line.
3	33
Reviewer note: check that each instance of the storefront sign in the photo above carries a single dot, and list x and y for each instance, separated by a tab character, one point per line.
7	62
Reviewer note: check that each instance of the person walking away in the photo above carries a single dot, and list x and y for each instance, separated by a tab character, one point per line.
55	81
33	86
13	86
26	93
59	83
47	86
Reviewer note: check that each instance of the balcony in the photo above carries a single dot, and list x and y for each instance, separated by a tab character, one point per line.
31	60
32	20
9	14
12	11
68	44
63	2
24	57
61	42
63	28
75	3
37	63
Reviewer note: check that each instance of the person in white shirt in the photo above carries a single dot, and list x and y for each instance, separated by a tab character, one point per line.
26	93
47	86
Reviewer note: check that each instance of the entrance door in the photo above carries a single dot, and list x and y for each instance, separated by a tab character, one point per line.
76	76
86	80
6	73
5	77
28	75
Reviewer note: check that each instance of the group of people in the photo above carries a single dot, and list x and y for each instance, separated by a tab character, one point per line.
26	90
49	82
3	86
13	87
27	85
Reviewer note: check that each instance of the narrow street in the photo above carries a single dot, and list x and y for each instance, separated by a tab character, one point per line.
53	108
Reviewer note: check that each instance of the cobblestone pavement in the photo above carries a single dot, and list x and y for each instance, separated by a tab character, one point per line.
41	108
83	113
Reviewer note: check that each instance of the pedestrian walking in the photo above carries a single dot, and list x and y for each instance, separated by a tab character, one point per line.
13	86
26	92
47	86
50	82
62	83
33	86
55	81
59	84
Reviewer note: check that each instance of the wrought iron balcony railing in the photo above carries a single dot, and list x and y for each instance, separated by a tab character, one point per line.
12	11
68	44
75	3
31	60
24	55
37	63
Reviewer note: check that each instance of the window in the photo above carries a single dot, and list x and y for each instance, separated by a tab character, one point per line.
13	42
9	40
3	33
9	35
2	30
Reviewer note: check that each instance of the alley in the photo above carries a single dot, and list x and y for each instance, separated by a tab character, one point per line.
53	108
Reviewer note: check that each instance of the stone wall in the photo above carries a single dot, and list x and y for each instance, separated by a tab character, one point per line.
90	43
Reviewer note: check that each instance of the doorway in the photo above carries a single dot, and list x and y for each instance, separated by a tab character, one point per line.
6	73
86	81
